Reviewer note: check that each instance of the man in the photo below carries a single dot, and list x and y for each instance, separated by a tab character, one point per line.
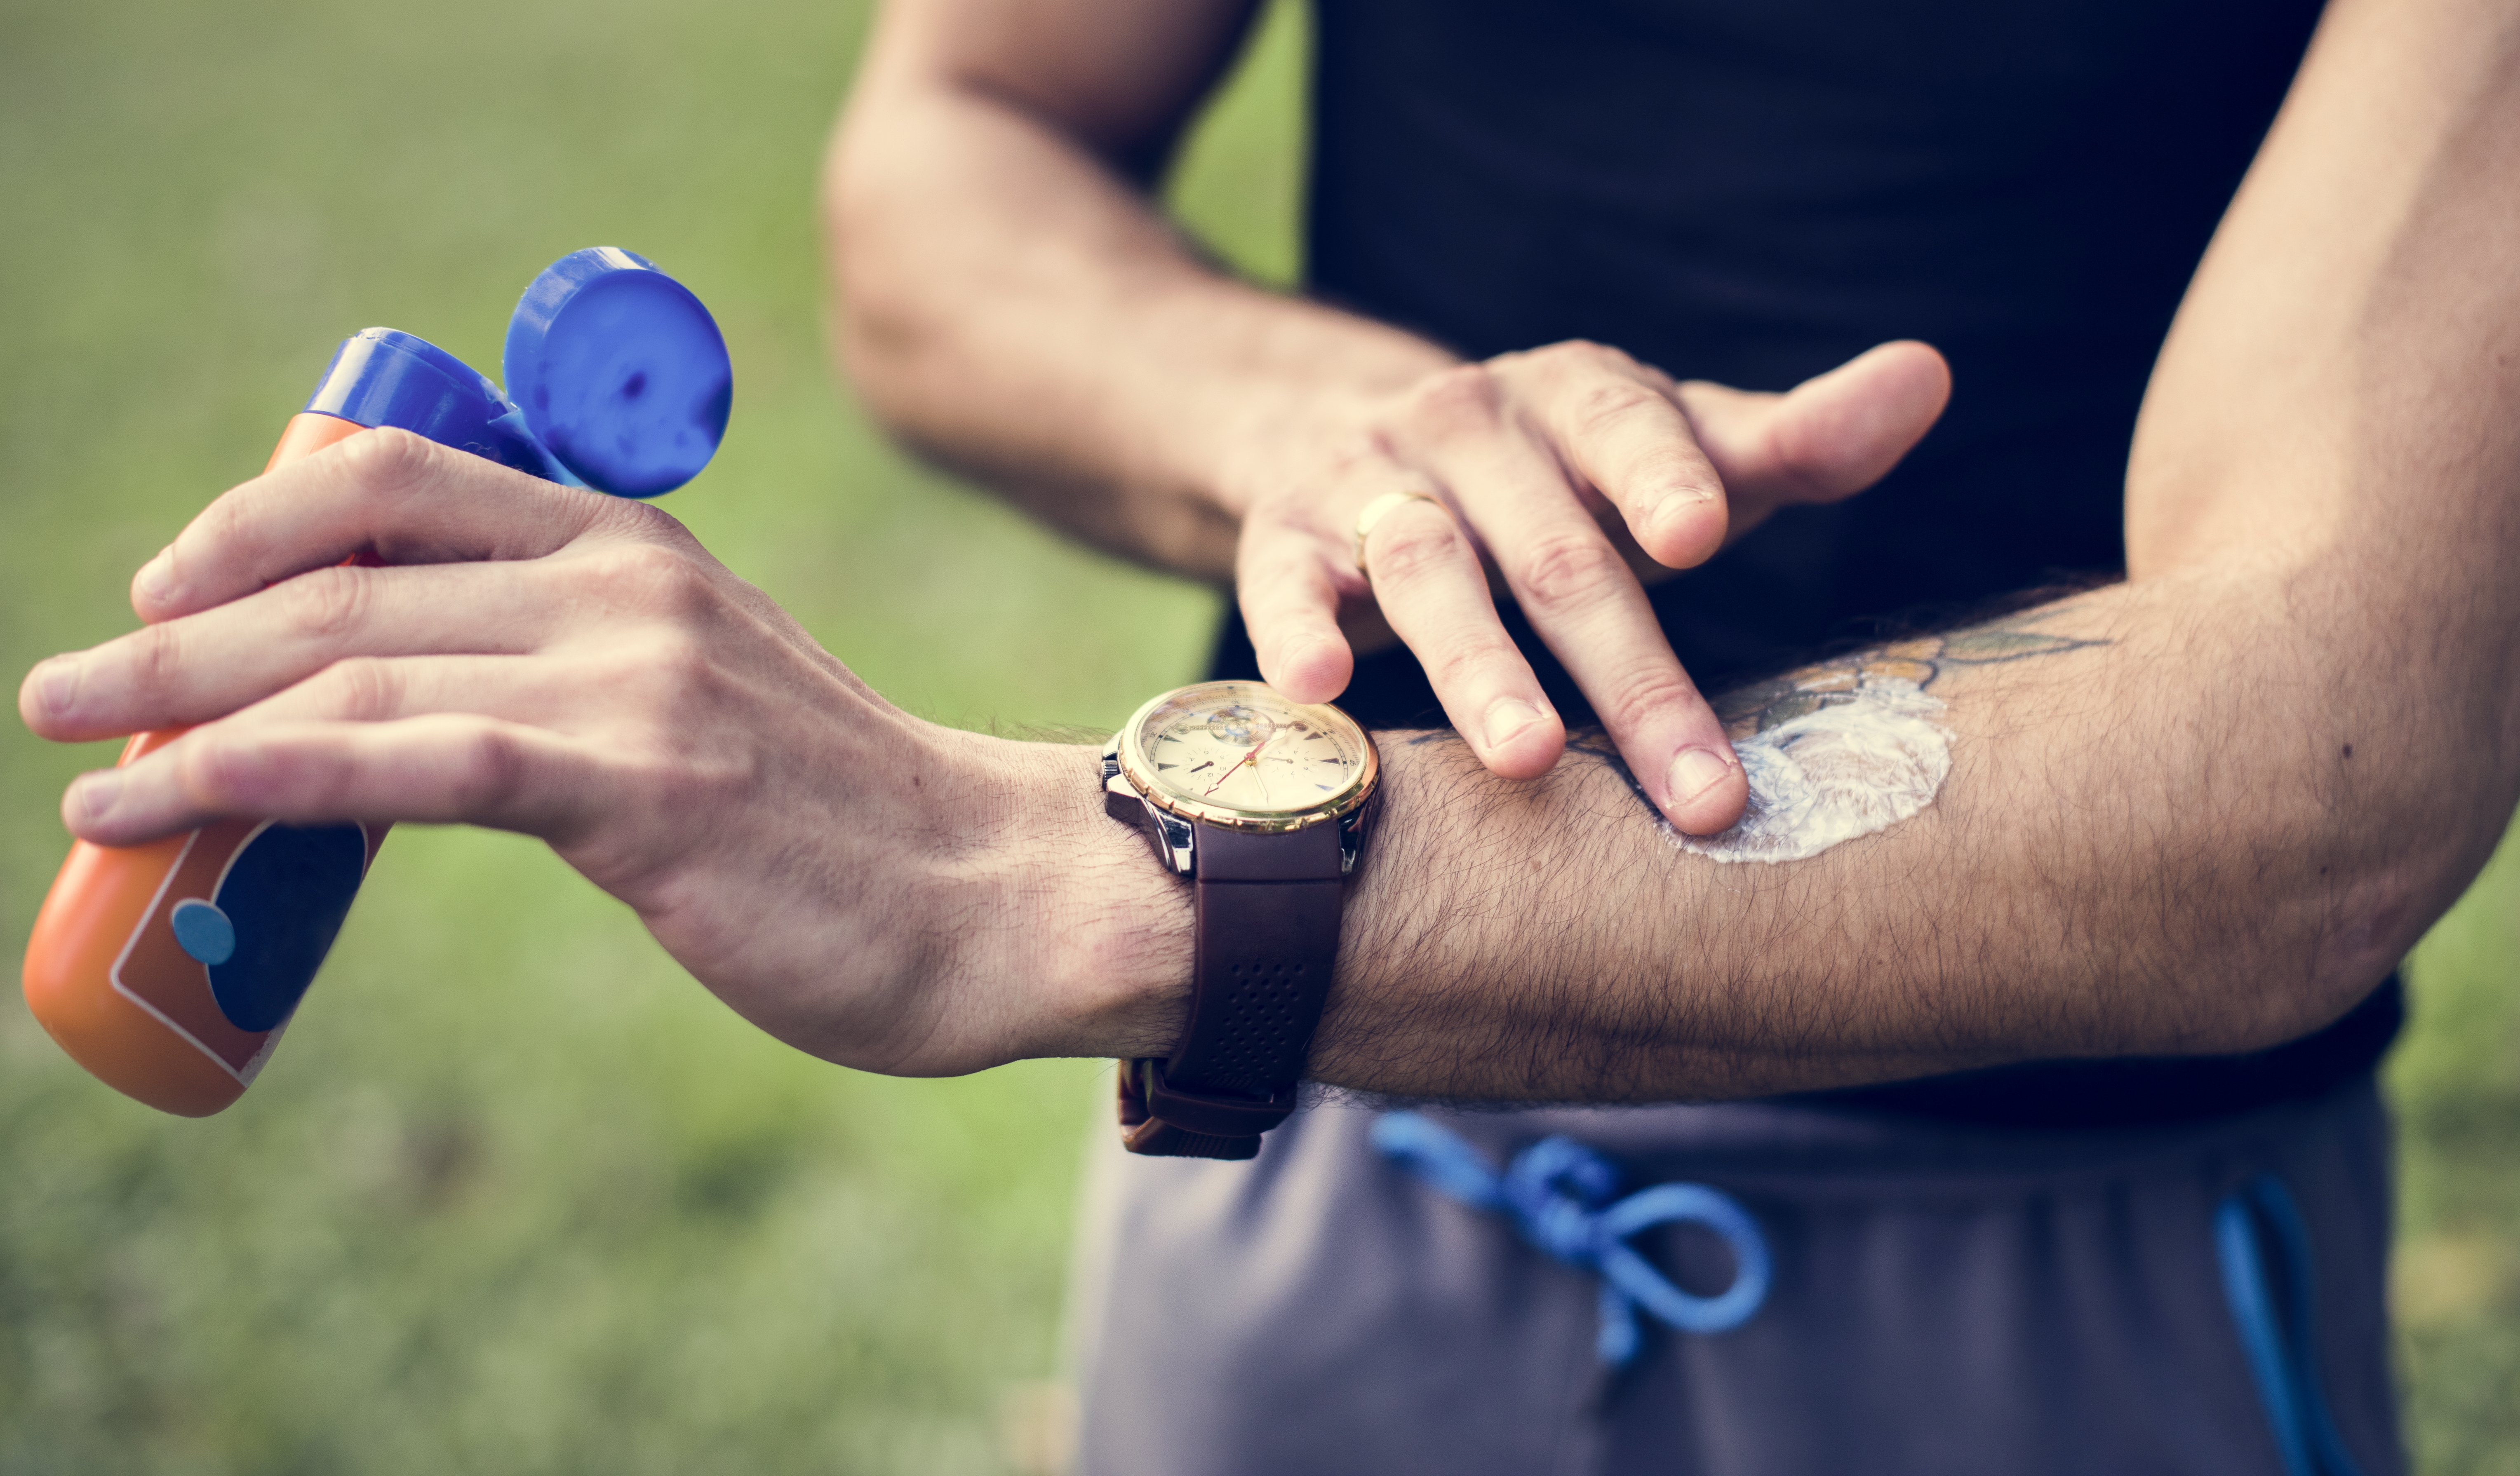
2198	814
1748	194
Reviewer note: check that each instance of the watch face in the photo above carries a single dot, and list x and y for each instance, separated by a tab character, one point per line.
1238	753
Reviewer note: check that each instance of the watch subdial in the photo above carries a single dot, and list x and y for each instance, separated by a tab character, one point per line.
1240	726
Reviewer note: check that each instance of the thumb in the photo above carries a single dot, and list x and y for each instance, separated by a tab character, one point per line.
1829	437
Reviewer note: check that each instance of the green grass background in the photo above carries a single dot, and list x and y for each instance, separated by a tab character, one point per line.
515	1195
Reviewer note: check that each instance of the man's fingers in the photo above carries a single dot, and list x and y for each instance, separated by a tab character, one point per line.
1290	602
511	689
404	497
1584	602
1831	437
1614	425
207	665
1435	594
447	768
1527	448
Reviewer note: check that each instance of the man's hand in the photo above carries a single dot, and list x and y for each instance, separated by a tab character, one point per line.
1577	474
873	889
1012	305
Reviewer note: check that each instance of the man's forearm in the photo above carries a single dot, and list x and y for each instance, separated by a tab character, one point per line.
2176	822
1014	305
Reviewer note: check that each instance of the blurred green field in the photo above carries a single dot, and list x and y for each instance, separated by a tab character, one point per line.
517	1196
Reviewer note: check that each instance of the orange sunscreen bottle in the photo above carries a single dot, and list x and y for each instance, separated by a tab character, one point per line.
170	969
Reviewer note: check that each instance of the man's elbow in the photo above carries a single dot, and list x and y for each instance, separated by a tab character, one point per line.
877	332
2341	931
881	352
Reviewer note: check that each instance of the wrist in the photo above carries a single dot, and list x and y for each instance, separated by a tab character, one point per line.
1275	432
1103	930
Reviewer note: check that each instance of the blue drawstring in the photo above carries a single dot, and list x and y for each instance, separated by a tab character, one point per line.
2285	1363
1555	1192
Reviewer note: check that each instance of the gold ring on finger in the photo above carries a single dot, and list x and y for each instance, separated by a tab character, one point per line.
1377	511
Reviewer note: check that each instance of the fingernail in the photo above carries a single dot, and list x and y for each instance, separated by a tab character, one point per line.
1693	772
98	792
1680	504
1507	719
156	578
58	684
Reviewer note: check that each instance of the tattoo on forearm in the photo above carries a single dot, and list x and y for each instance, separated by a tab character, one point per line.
1763	705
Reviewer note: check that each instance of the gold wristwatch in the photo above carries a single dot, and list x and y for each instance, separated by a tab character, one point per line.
1260	804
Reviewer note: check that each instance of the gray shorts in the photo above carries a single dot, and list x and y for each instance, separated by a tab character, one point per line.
1944	1299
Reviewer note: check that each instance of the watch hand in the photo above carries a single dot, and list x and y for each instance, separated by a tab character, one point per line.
1239	763
1234	768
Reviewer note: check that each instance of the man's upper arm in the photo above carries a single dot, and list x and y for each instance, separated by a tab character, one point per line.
2341	370
1119	77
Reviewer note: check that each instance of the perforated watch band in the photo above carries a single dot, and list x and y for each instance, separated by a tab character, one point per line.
1267	909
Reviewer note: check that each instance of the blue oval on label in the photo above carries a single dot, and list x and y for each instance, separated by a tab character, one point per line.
203	930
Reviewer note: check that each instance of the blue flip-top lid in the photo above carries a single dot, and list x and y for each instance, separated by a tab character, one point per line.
619	370
621	375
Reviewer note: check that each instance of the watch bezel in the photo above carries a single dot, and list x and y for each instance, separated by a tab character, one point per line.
1138	769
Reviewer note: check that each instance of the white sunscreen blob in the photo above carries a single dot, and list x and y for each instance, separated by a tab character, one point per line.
1867	760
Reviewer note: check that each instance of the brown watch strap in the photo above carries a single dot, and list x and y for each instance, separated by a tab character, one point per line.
1267	909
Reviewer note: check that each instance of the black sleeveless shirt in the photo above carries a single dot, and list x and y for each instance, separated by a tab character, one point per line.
1753	192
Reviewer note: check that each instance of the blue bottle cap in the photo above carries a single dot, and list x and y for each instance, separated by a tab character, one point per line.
383	376
619	372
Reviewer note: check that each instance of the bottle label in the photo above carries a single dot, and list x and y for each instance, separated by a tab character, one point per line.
236	930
